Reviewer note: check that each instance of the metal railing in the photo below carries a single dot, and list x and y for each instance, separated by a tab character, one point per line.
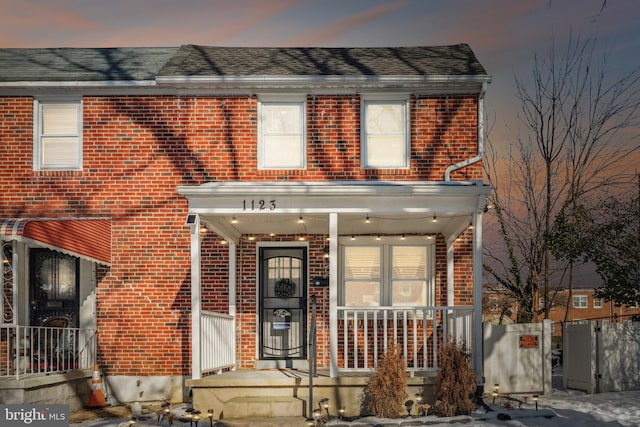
34	350
218	342
367	333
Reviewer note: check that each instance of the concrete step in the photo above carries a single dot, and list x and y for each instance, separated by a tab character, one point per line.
263	422
264	407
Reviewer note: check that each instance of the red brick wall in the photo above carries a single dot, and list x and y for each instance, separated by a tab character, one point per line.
138	149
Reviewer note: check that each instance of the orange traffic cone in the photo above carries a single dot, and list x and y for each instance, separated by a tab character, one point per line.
96	397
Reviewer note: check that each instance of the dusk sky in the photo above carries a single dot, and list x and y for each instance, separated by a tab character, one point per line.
503	33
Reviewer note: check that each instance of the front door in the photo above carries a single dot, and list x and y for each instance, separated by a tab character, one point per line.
283	303
53	288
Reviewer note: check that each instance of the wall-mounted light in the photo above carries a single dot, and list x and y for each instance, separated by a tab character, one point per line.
325	251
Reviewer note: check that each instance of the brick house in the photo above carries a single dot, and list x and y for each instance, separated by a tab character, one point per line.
189	211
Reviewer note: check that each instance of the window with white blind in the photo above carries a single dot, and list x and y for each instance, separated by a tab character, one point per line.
58	135
387	274
282	134
385	133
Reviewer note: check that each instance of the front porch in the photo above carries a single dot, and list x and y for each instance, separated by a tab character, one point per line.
46	364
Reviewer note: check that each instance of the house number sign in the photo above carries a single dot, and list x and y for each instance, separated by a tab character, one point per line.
258	205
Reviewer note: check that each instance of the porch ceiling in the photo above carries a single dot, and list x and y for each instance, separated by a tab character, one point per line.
379	223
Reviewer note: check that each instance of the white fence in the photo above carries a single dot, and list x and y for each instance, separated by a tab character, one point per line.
218	342
365	333
601	356
518	357
29	350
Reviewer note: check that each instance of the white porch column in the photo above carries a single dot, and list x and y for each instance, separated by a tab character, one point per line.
232	279
333	294
450	273
196	372
477	294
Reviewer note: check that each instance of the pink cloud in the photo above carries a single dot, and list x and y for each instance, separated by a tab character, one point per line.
336	29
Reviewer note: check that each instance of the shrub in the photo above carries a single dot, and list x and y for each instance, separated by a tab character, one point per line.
387	389
456	381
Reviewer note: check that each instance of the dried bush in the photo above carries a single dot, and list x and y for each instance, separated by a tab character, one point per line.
456	381
387	389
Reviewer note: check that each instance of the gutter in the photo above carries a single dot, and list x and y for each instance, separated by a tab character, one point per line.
480	153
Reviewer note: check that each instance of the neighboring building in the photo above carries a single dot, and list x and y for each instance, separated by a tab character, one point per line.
573	305
191	203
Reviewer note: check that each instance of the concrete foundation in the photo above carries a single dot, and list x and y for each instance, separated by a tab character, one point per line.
70	388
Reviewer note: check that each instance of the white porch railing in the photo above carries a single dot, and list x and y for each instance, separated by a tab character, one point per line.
218	342
365	333
33	350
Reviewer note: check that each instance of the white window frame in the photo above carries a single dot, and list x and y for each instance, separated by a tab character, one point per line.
584	301
598	302
39	153
385	99
386	244
264	101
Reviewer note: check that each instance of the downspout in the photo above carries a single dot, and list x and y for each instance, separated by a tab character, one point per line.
480	153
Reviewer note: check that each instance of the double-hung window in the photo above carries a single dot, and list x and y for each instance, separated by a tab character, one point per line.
282	133
385	135
580	301
57	134
387	273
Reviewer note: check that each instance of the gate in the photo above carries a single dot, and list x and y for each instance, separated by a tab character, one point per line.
518	357
602	356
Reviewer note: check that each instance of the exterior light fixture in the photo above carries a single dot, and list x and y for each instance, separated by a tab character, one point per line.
402	237
535	399
496	389
353	237
378	237
408	405
325	405
300	220
341	412
234	220
435	219
210	415
252	238
325	251
317	415
367	220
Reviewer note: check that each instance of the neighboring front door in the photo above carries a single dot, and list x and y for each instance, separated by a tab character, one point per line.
53	287
283	304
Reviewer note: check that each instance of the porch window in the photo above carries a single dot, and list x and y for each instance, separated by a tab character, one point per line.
385	133
57	135
580	301
388	275
281	134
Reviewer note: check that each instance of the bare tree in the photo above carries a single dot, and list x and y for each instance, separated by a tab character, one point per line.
578	122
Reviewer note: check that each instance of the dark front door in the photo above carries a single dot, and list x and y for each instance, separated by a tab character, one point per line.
283	303
53	287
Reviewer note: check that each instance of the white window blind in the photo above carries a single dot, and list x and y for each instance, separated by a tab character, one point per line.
282	135
385	136
58	135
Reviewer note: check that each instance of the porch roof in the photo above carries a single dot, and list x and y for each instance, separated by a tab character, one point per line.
236	208
85	238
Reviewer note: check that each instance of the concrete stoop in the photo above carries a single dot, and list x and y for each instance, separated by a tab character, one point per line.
264	407
263	422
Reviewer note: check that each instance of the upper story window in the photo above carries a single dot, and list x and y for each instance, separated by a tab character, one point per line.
388	274
385	135
580	301
282	142
57	134
597	303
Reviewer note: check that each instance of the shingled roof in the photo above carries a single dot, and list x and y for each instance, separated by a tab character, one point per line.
194	60
82	64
